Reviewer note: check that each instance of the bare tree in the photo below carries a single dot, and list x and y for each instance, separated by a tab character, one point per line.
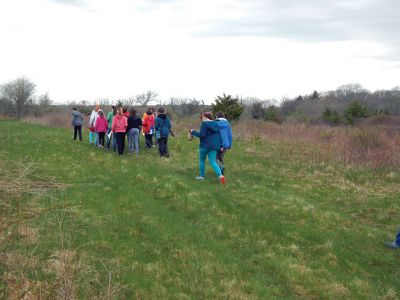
18	91
146	98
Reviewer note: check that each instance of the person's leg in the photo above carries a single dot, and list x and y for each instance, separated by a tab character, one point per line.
160	146
202	161
96	138
136	134
130	140
123	142
75	131
397	240
166	152
220	160
102	138
91	137
212	159
114	141
119	141
80	132
108	139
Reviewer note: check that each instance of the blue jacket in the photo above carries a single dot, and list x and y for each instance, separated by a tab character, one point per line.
162	124
209	135
225	131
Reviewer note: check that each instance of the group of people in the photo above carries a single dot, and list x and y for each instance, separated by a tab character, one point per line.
110	131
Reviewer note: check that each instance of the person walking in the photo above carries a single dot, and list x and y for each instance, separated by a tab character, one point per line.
92	122
110	138
118	128
133	131
148	127
210	143
101	127
225	132
77	121
162	128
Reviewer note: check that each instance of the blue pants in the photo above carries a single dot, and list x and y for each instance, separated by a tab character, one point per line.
133	140
212	158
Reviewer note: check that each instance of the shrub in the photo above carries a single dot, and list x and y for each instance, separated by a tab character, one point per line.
271	114
355	111
230	106
330	116
257	111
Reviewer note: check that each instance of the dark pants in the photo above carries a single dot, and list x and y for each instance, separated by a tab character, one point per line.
78	129
163	146
101	138
220	160
149	140
120	138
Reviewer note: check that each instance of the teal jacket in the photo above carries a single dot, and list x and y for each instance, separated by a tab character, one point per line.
209	135
163	125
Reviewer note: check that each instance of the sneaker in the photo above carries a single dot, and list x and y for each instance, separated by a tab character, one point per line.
199	178
392	245
222	179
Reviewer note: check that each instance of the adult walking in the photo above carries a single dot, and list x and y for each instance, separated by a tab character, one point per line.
77	121
162	127
118	128
210	143
133	131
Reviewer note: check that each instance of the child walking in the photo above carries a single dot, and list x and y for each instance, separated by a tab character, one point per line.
101	127
210	143
77	121
162	127
118	128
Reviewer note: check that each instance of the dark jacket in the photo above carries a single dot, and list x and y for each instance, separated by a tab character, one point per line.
77	119
163	124
209	135
134	121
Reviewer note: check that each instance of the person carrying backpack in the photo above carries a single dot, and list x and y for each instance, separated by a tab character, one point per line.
162	127
225	132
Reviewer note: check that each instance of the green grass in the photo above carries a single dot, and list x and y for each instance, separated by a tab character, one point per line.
284	226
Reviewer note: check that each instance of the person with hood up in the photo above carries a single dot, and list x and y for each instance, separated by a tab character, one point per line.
225	132
148	127
101	127
77	121
118	128
210	143
162	129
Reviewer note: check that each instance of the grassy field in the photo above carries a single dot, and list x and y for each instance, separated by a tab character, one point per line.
286	225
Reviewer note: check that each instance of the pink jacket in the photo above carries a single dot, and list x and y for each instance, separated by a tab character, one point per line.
119	124
101	124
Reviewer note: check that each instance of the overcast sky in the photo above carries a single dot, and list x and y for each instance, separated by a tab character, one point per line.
91	49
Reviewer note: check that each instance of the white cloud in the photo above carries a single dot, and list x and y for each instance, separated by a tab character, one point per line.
92	49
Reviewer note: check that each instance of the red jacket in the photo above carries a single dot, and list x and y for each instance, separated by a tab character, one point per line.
101	124
119	124
148	123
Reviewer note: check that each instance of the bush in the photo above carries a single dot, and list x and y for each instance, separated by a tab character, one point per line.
257	110
330	116
229	106
355	111
271	114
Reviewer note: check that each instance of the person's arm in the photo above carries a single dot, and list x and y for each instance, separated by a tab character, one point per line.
202	133
113	125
